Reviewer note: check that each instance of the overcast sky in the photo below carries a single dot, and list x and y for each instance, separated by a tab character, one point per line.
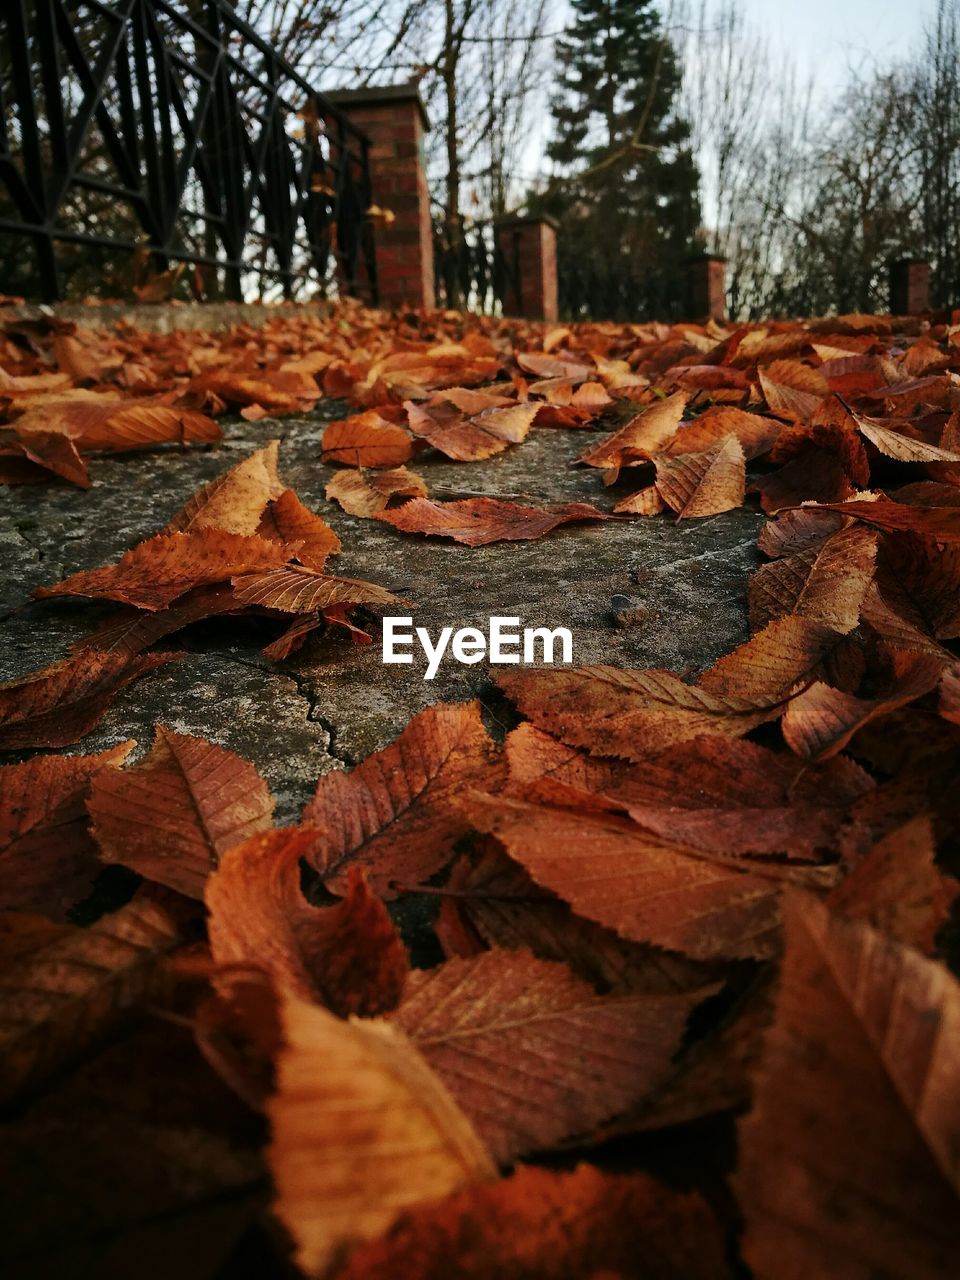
827	36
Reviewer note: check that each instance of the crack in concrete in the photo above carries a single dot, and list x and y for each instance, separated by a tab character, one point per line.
304	690
333	746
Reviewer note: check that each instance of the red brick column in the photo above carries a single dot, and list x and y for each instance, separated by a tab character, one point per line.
529	249
707	287
909	287
394	119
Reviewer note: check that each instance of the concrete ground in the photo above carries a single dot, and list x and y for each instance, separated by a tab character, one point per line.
334	702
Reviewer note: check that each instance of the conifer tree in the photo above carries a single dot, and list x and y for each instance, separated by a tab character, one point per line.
625	187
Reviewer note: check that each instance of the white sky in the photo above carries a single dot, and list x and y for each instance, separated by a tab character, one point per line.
823	37
829	36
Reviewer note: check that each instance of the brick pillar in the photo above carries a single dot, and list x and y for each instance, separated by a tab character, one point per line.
394	119
909	287
529	249
707	287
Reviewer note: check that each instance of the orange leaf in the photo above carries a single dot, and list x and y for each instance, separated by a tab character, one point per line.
479	521
824	581
757	434
292	589
703	484
348	957
645	888
60	703
634	714
541	1223
57	454
396	814
352	1098
897	888
793	390
156	572
497	901
367	440
235	500
858	1084
47	859
64	987
287	520
821	720
173	816
367	494
468	439
500	1027
648	433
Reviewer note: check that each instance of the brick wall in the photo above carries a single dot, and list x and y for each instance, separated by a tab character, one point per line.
909	287
394	120
529	248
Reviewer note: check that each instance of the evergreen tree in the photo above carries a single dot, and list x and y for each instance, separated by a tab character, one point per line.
626	189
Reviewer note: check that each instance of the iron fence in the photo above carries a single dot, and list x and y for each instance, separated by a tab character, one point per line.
588	290
471	268
172	131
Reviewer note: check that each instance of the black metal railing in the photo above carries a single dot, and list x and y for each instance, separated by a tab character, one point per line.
588	290
173	132
471	267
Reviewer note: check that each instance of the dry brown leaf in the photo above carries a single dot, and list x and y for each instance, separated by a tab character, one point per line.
897	888
173	816
396	814
63	987
471	400
140	426
348	957
940	523
48	860
532	1054
540	1223
367	494
479	521
468	439
821	720
793	390
801	530
920	581
155	573
644	435
757	434
56	454
366	440
724	796
902	447
858	1083
703	484
57	705
645	888
296	589
824	581
547	366
633	714
288	521
492	902
773	663
645	502
235	500
361	1130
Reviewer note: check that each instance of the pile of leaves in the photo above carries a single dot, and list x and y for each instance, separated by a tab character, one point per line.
651	907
